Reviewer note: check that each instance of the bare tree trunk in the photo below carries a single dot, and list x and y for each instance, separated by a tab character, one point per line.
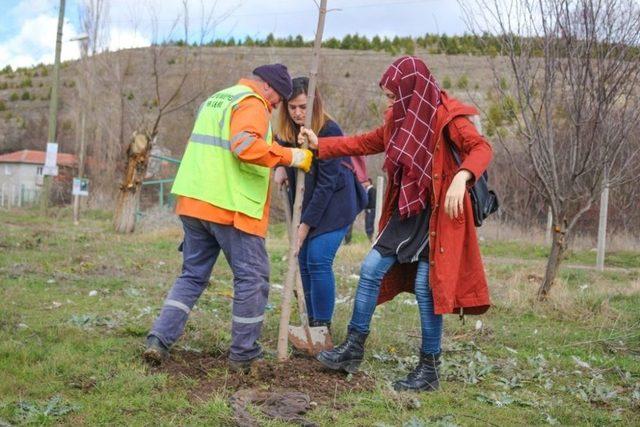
558	249
124	219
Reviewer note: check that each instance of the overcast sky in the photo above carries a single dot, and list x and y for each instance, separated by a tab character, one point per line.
28	27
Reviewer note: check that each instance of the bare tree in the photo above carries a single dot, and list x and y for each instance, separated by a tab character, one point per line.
171	94
575	67
92	21
101	98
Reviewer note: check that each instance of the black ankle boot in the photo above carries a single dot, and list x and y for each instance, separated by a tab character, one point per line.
317	323
347	356
425	377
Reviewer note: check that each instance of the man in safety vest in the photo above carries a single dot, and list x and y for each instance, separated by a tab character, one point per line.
223	201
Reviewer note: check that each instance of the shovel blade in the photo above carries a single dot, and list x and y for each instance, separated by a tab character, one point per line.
320	339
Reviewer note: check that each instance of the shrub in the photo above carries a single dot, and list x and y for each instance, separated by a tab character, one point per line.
510	108
446	83
26	96
496	114
14	97
489	128
504	85
463	82
409	48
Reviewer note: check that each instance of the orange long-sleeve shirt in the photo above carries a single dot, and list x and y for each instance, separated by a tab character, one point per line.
249	123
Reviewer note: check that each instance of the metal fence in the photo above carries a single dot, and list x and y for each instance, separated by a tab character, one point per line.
17	196
164	195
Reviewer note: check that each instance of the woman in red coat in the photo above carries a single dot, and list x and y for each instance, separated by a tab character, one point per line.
427	243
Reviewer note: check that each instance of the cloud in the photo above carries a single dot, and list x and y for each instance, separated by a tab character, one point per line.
36	38
28	29
36	42
122	38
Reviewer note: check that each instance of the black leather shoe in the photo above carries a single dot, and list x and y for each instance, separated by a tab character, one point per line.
347	356
156	352
424	378
318	323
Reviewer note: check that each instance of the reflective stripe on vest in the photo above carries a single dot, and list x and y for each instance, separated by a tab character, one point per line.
211	171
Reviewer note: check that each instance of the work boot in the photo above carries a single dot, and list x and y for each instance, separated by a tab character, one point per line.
243	366
156	352
347	356
425	377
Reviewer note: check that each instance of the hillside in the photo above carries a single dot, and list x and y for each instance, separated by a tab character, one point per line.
124	98
124	95
348	80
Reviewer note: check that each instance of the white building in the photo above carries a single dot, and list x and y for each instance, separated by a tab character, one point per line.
21	175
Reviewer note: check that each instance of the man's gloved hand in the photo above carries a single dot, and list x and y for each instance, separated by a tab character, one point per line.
301	159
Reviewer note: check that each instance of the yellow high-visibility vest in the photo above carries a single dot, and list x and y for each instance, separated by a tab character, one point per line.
211	171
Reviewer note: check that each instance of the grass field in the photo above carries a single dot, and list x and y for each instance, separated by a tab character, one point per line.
77	302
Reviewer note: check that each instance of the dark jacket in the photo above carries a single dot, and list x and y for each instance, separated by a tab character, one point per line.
333	197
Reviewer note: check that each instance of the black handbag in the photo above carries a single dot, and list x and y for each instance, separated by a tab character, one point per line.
483	200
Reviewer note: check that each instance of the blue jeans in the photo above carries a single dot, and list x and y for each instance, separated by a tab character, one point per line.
316	269
373	269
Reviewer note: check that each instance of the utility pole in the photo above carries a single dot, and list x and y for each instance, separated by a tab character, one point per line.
51	163
82	95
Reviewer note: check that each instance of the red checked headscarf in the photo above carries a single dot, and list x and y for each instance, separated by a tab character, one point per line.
409	154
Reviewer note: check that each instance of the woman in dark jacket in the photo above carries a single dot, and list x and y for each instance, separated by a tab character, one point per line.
332	199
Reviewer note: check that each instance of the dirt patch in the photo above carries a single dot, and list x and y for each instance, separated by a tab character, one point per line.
299	374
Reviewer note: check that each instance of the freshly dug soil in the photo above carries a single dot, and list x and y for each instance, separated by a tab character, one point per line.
297	374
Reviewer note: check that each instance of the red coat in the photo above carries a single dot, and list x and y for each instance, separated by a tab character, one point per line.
456	276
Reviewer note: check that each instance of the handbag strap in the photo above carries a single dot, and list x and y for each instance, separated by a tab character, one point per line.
452	146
